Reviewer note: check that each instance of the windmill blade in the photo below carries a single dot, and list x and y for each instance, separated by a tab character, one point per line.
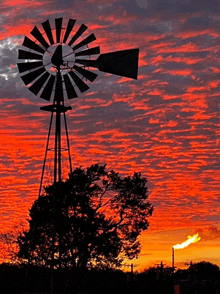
80	84
58	89
35	88
28	65
69	28
86	73
71	93
58	25
46	94
28	78
48	31
86	41
91	51
28	55
123	63
31	45
37	35
80	31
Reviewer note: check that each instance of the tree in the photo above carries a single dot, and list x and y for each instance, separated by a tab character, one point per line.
95	217
8	243
204	270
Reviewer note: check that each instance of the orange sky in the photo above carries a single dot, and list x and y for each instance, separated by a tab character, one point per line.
165	124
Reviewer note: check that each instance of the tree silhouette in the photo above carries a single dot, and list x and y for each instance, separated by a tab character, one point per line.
8	243
95	217
204	270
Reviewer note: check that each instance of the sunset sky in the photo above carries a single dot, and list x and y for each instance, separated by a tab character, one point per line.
165	124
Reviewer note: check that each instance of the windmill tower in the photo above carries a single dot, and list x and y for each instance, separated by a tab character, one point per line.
55	67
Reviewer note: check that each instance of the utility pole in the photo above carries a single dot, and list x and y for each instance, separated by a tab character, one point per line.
130	277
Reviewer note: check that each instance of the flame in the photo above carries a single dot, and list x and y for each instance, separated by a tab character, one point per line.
191	239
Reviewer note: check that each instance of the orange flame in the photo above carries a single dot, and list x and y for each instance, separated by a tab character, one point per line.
191	239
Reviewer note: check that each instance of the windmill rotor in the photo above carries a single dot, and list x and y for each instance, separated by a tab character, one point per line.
44	56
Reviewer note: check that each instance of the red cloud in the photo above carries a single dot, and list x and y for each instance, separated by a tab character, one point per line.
209	233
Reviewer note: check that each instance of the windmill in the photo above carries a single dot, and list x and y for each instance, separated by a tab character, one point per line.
56	66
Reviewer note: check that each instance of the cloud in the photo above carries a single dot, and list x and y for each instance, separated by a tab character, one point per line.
142	3
209	233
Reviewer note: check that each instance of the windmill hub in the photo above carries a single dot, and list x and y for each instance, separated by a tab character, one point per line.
63	57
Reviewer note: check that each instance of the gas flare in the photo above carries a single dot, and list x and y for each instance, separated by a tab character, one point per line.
191	239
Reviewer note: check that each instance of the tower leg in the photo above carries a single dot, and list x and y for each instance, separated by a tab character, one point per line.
68	143
45	156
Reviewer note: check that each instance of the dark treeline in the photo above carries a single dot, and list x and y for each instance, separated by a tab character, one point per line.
203	277
33	279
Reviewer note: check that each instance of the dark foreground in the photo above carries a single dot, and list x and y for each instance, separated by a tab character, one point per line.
29	280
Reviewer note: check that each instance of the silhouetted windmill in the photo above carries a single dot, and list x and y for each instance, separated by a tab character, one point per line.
55	66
